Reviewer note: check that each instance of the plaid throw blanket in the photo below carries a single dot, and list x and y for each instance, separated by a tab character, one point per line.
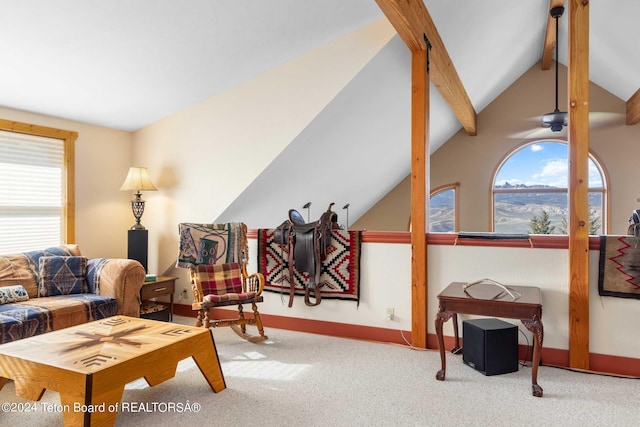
340	276
212	243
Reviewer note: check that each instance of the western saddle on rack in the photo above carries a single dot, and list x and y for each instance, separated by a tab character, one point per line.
307	245
216	256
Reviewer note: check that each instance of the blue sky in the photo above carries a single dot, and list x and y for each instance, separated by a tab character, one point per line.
542	163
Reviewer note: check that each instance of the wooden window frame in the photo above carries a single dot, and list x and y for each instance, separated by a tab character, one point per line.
68	173
604	190
456	202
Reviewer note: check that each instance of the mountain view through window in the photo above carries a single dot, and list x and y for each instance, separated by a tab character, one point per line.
530	192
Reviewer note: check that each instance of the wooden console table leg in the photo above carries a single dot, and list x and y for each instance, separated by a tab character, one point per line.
442	317
456	349
535	326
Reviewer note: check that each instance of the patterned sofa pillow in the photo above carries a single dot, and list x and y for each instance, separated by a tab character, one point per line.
16	293
62	275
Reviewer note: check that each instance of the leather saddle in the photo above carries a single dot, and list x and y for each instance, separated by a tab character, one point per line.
307	245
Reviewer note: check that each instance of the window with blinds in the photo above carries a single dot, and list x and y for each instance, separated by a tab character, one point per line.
33	191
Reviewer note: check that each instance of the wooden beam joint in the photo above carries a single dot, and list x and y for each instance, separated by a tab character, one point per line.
412	21
633	109
427	49
550	38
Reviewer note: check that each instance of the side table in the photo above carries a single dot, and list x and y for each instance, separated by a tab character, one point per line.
484	301
163	285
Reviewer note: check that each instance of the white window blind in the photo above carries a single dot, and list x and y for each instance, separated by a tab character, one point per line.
31	192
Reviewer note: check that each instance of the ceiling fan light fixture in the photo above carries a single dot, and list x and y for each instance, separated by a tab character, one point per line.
556	120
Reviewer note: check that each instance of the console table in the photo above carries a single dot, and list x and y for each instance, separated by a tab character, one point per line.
489	300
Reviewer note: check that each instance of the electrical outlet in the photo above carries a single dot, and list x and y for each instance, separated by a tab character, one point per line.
390	314
184	293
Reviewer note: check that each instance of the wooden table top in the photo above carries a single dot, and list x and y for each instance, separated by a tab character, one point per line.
99	345
491	292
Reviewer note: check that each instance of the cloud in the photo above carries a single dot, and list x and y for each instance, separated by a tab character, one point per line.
554	172
536	147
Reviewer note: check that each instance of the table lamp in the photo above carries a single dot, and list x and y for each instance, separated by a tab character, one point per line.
138	237
137	180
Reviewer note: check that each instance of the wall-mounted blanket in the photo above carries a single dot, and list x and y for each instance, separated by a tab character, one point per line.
212	243
619	273
340	276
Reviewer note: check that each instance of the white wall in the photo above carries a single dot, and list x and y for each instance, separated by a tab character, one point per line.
612	320
544	268
386	282
202	158
380	288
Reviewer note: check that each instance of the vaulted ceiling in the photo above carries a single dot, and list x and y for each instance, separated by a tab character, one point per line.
126	64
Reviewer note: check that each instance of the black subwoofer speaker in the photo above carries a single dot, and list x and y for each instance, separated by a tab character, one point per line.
490	346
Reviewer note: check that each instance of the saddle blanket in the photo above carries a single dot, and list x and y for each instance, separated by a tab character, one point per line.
340	275
619	273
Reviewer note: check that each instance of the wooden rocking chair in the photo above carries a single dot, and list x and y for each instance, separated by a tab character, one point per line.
216	256
220	285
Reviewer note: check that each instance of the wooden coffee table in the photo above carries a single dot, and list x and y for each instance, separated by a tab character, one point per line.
484	300
90	364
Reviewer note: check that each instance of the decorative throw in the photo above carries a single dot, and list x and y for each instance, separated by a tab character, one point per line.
9	294
94	271
62	275
619	273
340	276
211	243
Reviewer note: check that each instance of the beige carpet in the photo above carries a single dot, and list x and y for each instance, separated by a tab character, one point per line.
299	379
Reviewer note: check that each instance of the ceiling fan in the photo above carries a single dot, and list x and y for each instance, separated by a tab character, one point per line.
557	119
551	124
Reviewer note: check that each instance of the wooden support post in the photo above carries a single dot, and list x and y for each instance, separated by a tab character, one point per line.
419	162
578	135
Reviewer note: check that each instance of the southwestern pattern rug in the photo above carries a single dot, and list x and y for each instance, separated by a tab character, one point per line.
340	275
619	273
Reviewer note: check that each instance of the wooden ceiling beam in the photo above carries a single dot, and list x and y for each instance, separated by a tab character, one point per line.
633	108
550	36
412	21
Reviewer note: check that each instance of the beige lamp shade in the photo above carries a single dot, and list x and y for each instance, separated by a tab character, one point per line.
138	179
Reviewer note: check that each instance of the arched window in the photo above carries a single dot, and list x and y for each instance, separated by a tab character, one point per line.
443	212
530	191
